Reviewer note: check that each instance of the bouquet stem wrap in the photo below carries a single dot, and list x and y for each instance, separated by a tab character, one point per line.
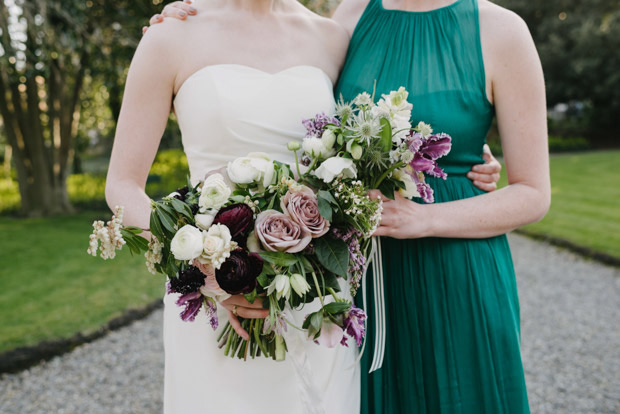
376	262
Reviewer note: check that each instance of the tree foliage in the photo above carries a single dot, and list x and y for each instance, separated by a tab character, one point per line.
579	46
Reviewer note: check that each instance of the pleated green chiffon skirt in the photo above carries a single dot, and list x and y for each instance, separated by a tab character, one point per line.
452	314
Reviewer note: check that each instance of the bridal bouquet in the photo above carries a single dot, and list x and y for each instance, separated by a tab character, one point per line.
260	230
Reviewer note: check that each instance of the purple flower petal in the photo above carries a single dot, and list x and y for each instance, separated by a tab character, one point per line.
193	303
354	325
436	146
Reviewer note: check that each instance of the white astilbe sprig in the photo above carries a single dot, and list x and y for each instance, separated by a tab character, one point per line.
153	255
109	235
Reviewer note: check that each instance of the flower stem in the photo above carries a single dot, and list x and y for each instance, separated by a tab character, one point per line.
386	173
297	165
318	289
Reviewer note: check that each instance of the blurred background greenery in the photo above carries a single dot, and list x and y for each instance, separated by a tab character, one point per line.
62	71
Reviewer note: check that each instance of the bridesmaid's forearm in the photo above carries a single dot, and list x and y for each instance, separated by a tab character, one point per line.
488	215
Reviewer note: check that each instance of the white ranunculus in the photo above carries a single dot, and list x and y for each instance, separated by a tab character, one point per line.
335	166
256	168
186	243
424	129
299	284
214	193
217	244
411	189
204	221
315	147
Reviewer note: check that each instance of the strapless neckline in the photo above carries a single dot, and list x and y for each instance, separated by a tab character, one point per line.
195	74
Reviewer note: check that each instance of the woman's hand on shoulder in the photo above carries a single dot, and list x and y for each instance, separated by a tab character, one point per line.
177	10
485	176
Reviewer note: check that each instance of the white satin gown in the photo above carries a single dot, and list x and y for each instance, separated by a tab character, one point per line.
224	112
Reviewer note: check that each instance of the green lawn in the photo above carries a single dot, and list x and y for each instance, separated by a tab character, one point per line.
585	205
51	288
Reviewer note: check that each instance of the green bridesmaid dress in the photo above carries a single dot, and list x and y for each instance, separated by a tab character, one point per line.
453	339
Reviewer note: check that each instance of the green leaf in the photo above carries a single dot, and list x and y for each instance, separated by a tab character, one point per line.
333	254
279	258
335	308
386	135
325	209
263	280
327	196
165	220
387	188
251	297
155	226
182	208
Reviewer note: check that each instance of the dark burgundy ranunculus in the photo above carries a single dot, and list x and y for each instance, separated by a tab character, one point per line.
182	192
238	273
239	219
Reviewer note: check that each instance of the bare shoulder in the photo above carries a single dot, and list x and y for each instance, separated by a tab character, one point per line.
502	29
326	28
349	12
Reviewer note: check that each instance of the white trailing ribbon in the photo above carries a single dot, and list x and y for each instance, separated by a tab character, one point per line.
376	262
311	398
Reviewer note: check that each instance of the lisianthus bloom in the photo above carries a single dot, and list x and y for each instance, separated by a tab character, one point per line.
278	232
331	334
239	219
335	166
238	273
302	206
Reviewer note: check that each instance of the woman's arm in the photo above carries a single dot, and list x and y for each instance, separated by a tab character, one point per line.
143	117
519	95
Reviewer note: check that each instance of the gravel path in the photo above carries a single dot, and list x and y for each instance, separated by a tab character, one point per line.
570	310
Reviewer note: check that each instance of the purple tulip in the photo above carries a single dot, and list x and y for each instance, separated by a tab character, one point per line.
354	324
193	303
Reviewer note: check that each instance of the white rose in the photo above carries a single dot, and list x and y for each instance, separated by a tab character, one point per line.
204	221
411	189
217	244
186	243
424	129
333	167
315	147
214	193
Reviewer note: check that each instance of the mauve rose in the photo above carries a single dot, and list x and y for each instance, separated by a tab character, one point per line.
239	219
302	206
238	273
278	232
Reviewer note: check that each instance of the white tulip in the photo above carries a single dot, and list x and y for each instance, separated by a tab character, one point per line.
315	147
411	189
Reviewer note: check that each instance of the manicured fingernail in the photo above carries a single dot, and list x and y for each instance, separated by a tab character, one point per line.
182	14
192	10
476	168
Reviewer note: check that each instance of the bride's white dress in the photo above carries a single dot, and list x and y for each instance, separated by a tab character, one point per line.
224	112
